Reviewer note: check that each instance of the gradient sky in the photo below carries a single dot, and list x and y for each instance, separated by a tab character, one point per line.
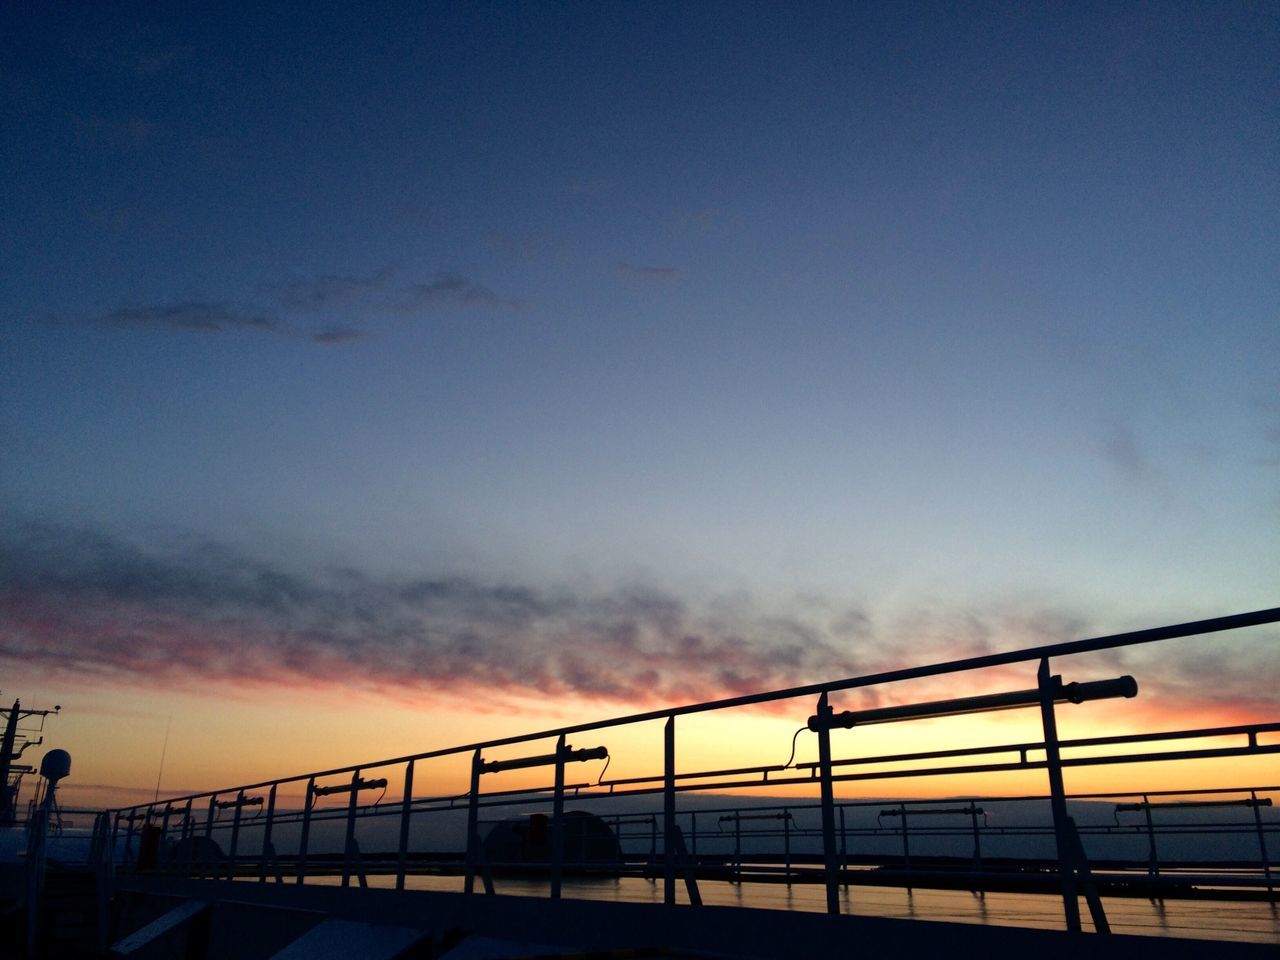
575	357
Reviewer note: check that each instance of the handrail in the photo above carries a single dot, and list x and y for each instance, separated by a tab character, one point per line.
827	770
1067	648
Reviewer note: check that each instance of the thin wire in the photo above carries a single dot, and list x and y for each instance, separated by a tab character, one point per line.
607	760
163	750
794	738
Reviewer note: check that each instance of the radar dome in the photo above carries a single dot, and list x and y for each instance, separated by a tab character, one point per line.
55	765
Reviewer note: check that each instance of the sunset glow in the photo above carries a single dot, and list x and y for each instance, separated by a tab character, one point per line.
378	382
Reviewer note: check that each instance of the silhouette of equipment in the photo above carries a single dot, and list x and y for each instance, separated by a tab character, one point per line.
1124	686
569	755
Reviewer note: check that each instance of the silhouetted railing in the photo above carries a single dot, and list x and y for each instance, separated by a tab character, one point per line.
191	821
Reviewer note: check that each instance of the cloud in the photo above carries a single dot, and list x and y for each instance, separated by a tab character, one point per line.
647	272
193	315
1119	447
1266	411
447	288
337	335
334	306
329	290
79	603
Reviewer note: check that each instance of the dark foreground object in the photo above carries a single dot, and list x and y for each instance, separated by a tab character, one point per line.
249	921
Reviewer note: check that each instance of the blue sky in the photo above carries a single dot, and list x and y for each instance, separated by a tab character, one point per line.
772	314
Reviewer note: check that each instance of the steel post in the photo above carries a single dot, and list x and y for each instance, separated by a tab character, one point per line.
306	830
164	825
1153	859
406	810
829	857
473	826
1262	842
267	848
208	836
977	840
669	812
1057	797
557	822
786	842
350	837
906	844
737	848
844	850
234	846
128	838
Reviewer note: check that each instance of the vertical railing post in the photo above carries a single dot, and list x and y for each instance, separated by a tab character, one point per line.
306	830
207	868
350	836
1153	859
906	845
977	839
268	849
669	811
737	848
693	829
786	843
1262	842
164	827
557	822
406	809
829	857
1058	797
189	835
128	837
102	860
844	850
234	846
115	834
473	826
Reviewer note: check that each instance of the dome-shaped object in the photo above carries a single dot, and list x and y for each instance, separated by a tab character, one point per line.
55	765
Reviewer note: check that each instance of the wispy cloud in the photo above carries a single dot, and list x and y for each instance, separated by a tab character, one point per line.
647	272
330	290
325	309
1267	412
445	288
1120	447
80	603
337	335
193	315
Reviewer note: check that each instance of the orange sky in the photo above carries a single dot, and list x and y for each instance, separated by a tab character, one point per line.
219	738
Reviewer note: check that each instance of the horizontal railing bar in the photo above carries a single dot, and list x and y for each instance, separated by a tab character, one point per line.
518	797
731	772
1064	649
1115	740
1204	733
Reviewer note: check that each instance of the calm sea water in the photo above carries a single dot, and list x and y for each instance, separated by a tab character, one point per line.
1194	919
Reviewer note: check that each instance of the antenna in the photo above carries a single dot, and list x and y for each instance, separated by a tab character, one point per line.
163	750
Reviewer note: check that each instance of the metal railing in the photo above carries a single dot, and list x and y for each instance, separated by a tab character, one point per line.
259	806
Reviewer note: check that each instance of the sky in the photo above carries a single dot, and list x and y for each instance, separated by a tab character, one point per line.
378	377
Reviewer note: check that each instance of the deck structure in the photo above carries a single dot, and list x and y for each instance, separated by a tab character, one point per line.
324	842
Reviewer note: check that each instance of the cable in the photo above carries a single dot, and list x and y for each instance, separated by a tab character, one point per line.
794	738
607	760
